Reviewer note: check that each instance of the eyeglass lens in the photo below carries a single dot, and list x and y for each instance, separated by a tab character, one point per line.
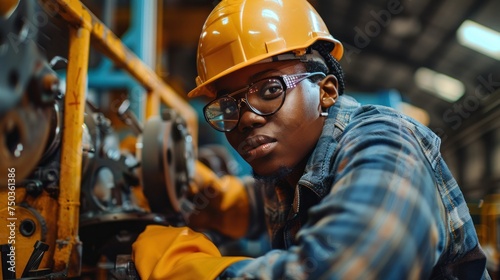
264	97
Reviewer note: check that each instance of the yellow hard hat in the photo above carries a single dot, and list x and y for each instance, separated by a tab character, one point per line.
238	33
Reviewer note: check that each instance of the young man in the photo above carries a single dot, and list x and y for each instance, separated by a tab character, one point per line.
347	191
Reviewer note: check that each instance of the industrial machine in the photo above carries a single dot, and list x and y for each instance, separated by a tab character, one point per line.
73	196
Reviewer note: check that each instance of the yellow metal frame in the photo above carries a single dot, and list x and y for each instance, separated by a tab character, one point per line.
85	26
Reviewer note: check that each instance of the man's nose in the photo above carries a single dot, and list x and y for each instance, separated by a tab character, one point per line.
248	118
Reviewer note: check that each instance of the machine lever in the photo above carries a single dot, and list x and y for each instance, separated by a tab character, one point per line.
36	258
129	118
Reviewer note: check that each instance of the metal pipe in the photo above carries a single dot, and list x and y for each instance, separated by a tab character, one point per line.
152	100
67	255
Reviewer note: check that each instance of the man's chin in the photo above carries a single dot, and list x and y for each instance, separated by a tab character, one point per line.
274	177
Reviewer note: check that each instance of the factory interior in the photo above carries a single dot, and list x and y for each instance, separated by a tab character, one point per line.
109	79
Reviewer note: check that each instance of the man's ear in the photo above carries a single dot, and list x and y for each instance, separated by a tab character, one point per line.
329	91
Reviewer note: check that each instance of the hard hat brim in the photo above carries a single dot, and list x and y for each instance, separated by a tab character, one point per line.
206	88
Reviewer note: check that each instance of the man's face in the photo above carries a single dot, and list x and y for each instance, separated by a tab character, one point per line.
284	139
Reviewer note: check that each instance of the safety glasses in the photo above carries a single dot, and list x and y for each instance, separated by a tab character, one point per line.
264	97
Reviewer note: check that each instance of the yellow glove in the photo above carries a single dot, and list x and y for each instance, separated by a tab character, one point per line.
221	204
177	253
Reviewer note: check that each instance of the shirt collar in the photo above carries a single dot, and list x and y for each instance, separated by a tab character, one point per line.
317	174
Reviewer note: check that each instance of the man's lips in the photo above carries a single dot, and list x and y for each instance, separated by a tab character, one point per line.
257	146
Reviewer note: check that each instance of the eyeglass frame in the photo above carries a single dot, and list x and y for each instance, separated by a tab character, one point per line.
288	81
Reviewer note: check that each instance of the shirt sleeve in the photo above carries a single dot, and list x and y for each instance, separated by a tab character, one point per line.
379	220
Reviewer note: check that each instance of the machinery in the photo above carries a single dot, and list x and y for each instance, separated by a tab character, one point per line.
72	197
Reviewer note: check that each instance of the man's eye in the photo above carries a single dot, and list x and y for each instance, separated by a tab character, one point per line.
271	90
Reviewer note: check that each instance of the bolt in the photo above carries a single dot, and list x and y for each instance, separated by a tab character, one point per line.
51	176
34	188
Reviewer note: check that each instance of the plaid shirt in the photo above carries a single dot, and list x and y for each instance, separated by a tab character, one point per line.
376	201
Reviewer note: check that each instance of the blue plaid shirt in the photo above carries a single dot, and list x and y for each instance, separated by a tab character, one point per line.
376	201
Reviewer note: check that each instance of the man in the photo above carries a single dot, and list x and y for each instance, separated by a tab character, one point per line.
347	191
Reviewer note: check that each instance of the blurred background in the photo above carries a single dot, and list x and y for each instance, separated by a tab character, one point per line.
439	61
436	61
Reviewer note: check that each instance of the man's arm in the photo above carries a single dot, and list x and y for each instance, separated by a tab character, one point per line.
378	221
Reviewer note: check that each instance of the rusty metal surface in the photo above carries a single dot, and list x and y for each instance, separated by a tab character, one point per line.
31	227
71	156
